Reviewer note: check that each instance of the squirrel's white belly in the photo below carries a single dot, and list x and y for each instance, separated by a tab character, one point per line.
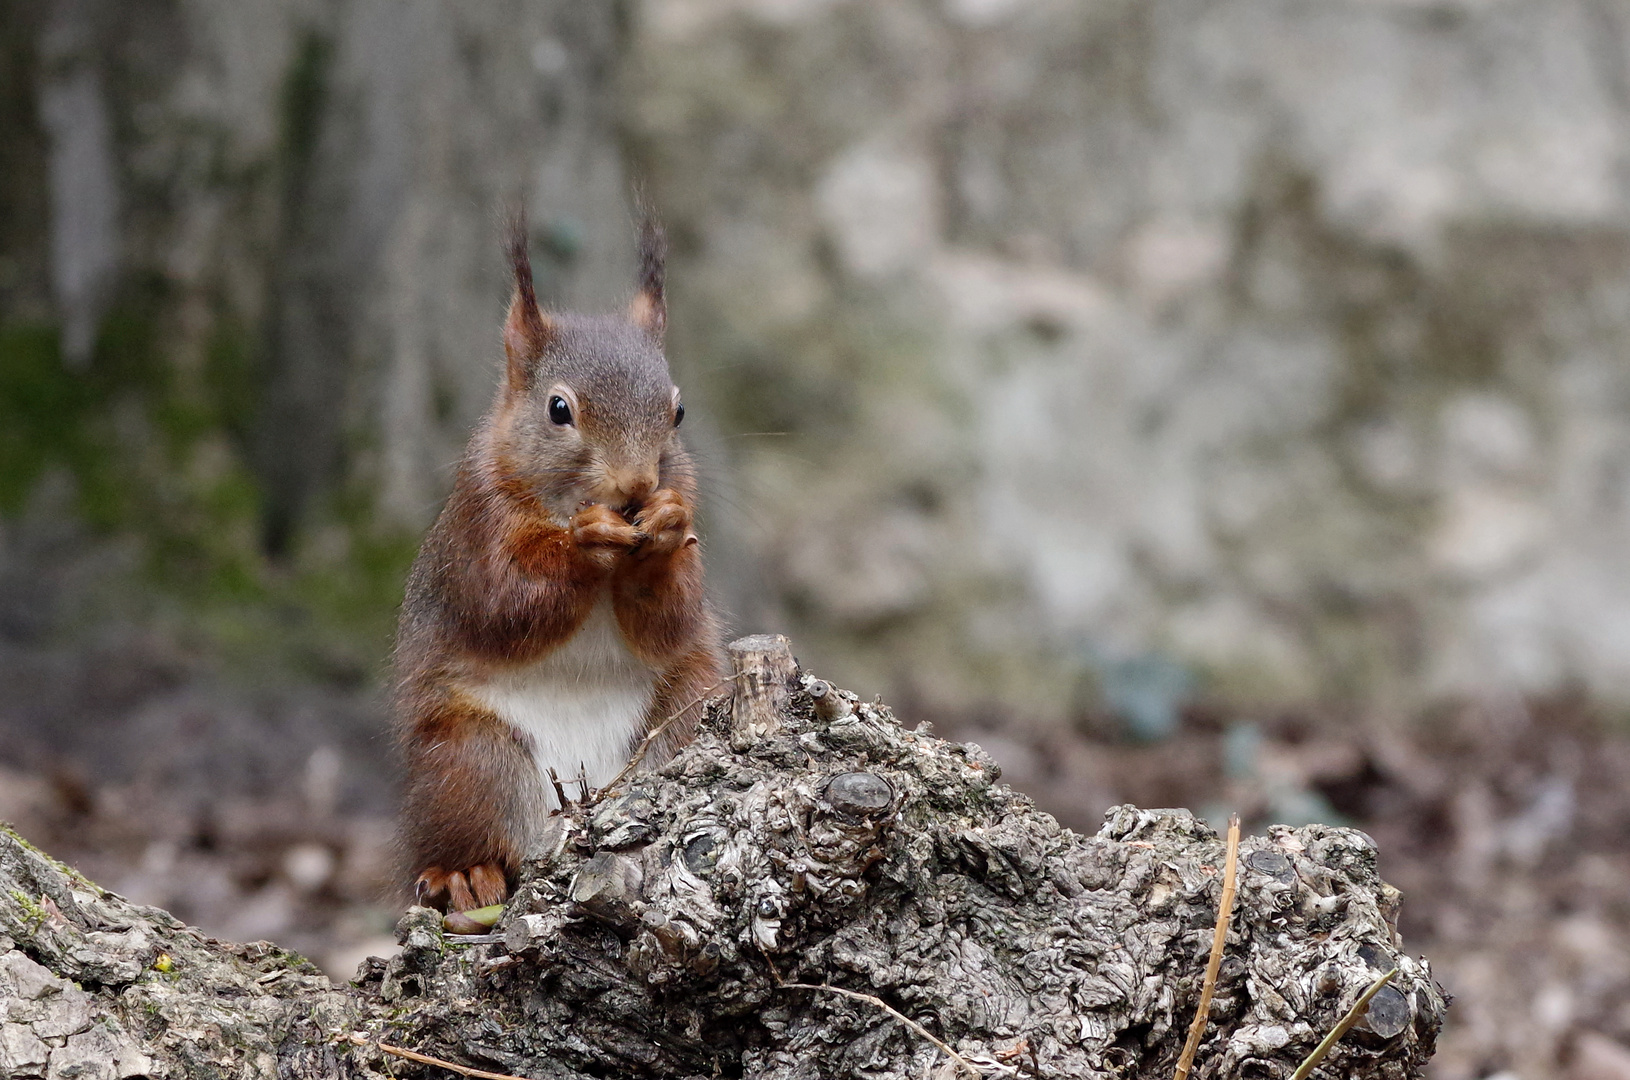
583	705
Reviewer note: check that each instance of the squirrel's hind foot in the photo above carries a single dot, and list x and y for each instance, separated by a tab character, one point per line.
462	890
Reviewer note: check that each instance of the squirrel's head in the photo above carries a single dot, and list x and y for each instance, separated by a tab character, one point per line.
588	411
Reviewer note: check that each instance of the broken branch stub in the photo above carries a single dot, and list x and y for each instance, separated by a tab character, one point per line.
830	704
766	674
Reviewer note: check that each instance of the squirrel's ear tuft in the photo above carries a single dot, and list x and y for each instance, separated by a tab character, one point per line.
526	330
649	308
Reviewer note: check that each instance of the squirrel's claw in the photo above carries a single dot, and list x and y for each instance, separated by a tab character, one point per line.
666	520
603	534
462	890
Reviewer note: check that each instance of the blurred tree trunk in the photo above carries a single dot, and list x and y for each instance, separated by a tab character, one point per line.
267	236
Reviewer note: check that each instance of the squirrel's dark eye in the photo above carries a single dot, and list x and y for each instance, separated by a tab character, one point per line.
679	414
559	412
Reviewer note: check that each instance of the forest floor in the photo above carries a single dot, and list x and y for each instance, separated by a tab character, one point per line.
264	812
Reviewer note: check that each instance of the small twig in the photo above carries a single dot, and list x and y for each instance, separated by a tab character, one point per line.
1219	936
357	1038
775	974
560	792
1354	1015
651	737
892	1011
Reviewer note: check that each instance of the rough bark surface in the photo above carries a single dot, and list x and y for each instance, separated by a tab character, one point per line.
653	936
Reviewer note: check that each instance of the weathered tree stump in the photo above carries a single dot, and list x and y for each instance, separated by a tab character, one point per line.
656	935
764	675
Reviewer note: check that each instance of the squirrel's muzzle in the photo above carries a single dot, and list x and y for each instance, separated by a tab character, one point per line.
627	490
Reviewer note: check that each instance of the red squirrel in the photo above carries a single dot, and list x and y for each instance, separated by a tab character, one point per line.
556	613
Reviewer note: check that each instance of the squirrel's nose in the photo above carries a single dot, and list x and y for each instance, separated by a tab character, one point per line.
632	488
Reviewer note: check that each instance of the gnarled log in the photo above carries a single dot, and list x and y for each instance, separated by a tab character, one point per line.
660	931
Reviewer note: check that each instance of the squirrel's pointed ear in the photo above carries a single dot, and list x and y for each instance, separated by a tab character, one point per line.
649	308
526	330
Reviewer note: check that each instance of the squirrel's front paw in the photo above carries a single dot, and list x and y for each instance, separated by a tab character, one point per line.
666	521
602	534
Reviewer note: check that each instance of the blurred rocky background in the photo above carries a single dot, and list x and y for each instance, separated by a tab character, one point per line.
1223	404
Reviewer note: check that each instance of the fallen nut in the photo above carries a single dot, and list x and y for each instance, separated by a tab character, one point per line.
475	921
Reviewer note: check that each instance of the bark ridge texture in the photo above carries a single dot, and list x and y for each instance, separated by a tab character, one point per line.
654	933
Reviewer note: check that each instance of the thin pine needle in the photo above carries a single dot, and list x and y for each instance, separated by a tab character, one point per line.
359	1039
1354	1015
1219	936
871	999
